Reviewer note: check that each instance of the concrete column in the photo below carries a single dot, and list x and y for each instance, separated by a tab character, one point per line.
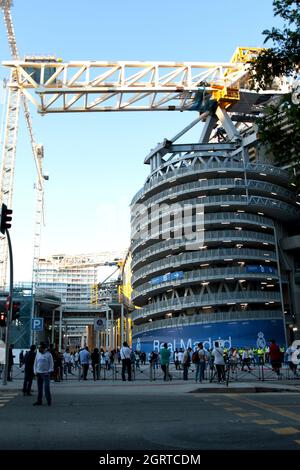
280	282
60	328
90	337
106	329
127	329
53	323
122	325
112	339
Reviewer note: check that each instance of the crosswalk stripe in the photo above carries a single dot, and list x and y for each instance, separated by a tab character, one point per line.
286	431
265	421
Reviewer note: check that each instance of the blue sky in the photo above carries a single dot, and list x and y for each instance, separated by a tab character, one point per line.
95	161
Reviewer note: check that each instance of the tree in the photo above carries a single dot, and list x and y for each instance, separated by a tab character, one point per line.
279	127
284	57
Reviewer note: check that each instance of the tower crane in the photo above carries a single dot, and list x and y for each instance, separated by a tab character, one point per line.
218	91
9	152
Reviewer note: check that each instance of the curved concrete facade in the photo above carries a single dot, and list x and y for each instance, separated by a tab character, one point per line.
205	240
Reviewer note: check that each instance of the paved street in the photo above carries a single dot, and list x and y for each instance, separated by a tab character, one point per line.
145	416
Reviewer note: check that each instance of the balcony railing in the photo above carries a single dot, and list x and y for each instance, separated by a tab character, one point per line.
216	184
203	275
204	318
201	167
196	301
204	256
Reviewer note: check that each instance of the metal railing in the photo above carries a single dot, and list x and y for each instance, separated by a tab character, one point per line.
182	303
203	256
203	318
217	184
200	166
202	275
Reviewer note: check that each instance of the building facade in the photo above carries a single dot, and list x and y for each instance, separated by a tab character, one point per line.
72	281
209	230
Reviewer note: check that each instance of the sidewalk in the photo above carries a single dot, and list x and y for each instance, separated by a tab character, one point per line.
160	387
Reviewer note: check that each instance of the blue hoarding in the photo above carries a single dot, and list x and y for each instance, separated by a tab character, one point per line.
260	269
244	333
176	276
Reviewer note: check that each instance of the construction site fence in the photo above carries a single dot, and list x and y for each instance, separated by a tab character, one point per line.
232	372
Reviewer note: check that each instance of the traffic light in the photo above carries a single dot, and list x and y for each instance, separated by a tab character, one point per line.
2	319
5	218
16	311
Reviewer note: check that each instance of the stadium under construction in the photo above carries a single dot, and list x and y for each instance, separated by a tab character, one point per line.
215	242
215	251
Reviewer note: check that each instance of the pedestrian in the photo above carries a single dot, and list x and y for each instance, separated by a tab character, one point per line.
84	359
21	359
275	357
165	362
95	356
186	361
43	366
10	362
219	362
29	370
200	364
126	361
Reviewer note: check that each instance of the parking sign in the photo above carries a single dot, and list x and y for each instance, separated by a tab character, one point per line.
37	324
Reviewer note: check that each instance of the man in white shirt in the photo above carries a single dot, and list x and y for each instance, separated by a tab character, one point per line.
84	359
219	362
126	361
43	366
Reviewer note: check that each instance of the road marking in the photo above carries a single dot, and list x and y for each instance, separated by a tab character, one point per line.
2	404
221	404
265	421
286	431
267	407
244	415
234	408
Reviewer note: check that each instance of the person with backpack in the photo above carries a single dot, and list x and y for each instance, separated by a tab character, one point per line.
198	358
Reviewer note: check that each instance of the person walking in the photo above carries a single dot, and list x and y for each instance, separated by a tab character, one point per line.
186	361
10	362
21	359
219	362
275	357
126	361
95	356
29	372
84	359
165	361
43	366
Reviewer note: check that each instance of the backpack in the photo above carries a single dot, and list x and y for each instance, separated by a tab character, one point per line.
195	357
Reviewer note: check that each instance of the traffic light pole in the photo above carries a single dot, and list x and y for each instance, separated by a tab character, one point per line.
9	315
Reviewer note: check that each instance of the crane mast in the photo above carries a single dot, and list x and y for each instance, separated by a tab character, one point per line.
9	152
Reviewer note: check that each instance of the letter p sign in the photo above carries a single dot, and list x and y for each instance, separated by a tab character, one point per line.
37	324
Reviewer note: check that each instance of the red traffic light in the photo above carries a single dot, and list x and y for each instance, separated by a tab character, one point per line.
7	303
5	218
2	319
16	311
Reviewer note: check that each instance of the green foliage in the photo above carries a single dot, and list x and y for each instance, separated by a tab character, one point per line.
279	132
284	57
279	127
